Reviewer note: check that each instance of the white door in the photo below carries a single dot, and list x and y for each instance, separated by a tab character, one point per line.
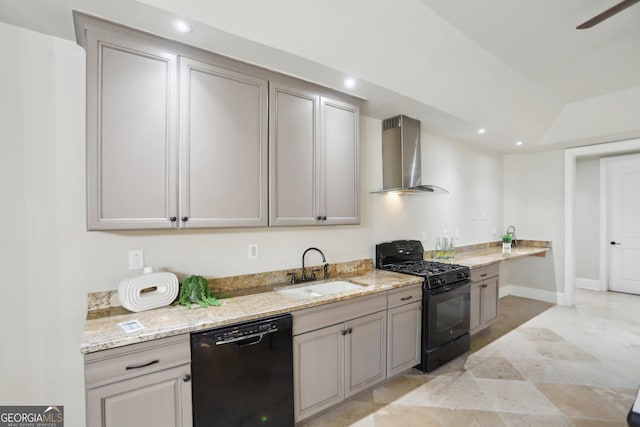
624	224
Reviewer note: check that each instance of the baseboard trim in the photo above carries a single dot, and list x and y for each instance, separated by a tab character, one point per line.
532	293
592	284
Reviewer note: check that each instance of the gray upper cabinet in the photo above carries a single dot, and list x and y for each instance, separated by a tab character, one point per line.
178	137
294	120
314	167
339	179
131	144
223	147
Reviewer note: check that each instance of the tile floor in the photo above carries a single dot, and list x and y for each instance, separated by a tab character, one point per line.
568	366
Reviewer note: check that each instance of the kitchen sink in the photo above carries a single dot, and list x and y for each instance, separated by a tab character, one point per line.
318	289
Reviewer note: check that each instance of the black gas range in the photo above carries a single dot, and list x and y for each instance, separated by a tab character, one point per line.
446	299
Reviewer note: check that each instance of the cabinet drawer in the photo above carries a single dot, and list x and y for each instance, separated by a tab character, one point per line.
117	364
331	314
404	295
483	273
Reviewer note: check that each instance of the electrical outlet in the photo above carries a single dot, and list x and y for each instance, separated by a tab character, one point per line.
136	259
253	251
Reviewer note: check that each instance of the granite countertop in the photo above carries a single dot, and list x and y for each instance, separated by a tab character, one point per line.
487	256
104	332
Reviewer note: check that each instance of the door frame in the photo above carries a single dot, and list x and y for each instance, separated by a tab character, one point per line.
631	146
605	249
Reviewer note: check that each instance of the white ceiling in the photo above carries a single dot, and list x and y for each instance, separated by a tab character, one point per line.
539	40
518	68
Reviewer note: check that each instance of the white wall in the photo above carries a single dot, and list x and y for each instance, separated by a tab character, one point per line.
473	178
49	262
587	218
534	204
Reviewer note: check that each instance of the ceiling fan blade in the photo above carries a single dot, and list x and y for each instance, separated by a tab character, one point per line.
607	14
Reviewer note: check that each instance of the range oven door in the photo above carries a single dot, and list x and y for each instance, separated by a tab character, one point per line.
448	314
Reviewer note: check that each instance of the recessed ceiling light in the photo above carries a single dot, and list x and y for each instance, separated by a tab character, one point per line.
519	143
181	26
350	82
481	131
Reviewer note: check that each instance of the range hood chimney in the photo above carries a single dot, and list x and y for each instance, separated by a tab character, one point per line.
401	161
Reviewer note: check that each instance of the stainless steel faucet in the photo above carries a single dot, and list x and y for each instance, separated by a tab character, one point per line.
313	272
511	231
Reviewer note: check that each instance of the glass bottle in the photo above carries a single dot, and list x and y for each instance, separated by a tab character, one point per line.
452	249
438	251
445	248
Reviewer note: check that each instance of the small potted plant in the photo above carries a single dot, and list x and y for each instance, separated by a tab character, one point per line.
196	289
506	243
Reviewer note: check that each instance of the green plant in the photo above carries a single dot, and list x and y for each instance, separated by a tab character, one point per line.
506	238
195	288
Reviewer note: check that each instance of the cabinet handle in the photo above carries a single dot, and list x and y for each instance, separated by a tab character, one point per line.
349	330
343	332
173	218
319	218
186	378
185	218
324	218
406	298
484	275
153	362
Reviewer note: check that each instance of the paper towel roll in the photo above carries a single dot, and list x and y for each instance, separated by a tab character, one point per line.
151	290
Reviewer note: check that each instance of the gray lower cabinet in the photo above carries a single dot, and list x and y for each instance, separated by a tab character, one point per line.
404	328
338	351
314	159
484	297
140	385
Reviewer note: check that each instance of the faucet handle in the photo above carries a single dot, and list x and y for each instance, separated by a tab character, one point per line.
292	279
313	273
325	268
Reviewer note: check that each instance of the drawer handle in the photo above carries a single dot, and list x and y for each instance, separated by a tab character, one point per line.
484	275
153	362
406	298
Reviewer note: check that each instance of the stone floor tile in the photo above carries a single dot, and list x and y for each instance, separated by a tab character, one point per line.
516	396
590	422
534	420
496	367
453	392
581	401
539	334
398	387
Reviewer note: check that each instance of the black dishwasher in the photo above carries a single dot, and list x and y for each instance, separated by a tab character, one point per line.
243	374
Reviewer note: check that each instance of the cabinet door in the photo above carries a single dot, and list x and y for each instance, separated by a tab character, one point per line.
294	118
223	147
403	337
340	171
131	141
365	352
490	301
160	399
318	363
475	308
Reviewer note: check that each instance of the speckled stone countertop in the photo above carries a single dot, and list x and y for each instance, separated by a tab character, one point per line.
487	254
104	332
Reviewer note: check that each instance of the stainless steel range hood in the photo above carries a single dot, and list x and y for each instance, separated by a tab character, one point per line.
401	161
